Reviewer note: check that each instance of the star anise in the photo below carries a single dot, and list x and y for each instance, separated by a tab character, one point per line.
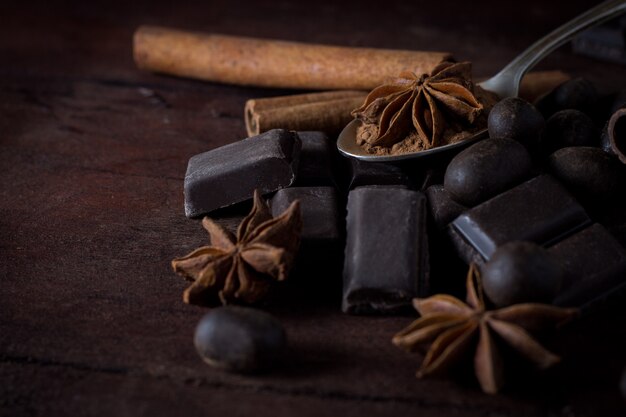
241	269
426	104
450	328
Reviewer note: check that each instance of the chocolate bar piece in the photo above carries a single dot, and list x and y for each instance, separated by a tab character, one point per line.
375	173
594	264
230	174
319	208
386	256
443	208
315	166
539	210
317	269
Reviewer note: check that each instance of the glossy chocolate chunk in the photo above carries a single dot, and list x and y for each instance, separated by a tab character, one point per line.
230	174
316	156
443	209
521	272
588	172
486	169
319	208
240	339
594	264
539	210
386	257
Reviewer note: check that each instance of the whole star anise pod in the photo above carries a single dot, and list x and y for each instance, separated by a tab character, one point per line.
450	328
241	269
427	104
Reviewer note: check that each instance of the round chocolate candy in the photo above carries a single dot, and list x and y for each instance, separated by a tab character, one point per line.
569	128
517	119
485	169
239	339
521	272
578	93
588	172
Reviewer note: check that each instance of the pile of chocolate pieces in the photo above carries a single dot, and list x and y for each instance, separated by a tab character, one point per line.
549	175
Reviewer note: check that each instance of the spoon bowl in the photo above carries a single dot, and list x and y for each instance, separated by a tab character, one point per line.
346	143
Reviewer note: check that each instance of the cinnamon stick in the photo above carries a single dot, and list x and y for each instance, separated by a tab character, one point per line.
327	111
273	63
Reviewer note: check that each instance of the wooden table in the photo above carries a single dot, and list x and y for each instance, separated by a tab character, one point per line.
92	158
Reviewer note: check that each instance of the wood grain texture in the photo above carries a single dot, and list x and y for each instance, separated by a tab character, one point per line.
92	158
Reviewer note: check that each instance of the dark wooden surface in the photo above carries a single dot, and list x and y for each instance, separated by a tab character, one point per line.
92	158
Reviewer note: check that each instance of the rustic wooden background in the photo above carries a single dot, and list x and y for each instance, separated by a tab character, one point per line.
92	158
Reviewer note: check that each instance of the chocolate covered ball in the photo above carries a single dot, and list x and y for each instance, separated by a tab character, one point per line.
517	119
569	128
521	272
485	169
239	339
588	172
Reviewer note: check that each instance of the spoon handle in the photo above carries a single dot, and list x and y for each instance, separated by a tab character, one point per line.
506	82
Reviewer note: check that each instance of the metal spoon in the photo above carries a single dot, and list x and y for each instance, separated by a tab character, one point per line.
504	84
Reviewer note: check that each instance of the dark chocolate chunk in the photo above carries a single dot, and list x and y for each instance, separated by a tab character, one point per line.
521	272
594	264
539	210
486	169
375	173
443	208
230	174
515	118
318	265
386	257
240	339
319	208
569	128
442	265
588	173
316	156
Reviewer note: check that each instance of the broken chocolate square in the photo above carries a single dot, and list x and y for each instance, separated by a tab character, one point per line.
230	174
539	210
